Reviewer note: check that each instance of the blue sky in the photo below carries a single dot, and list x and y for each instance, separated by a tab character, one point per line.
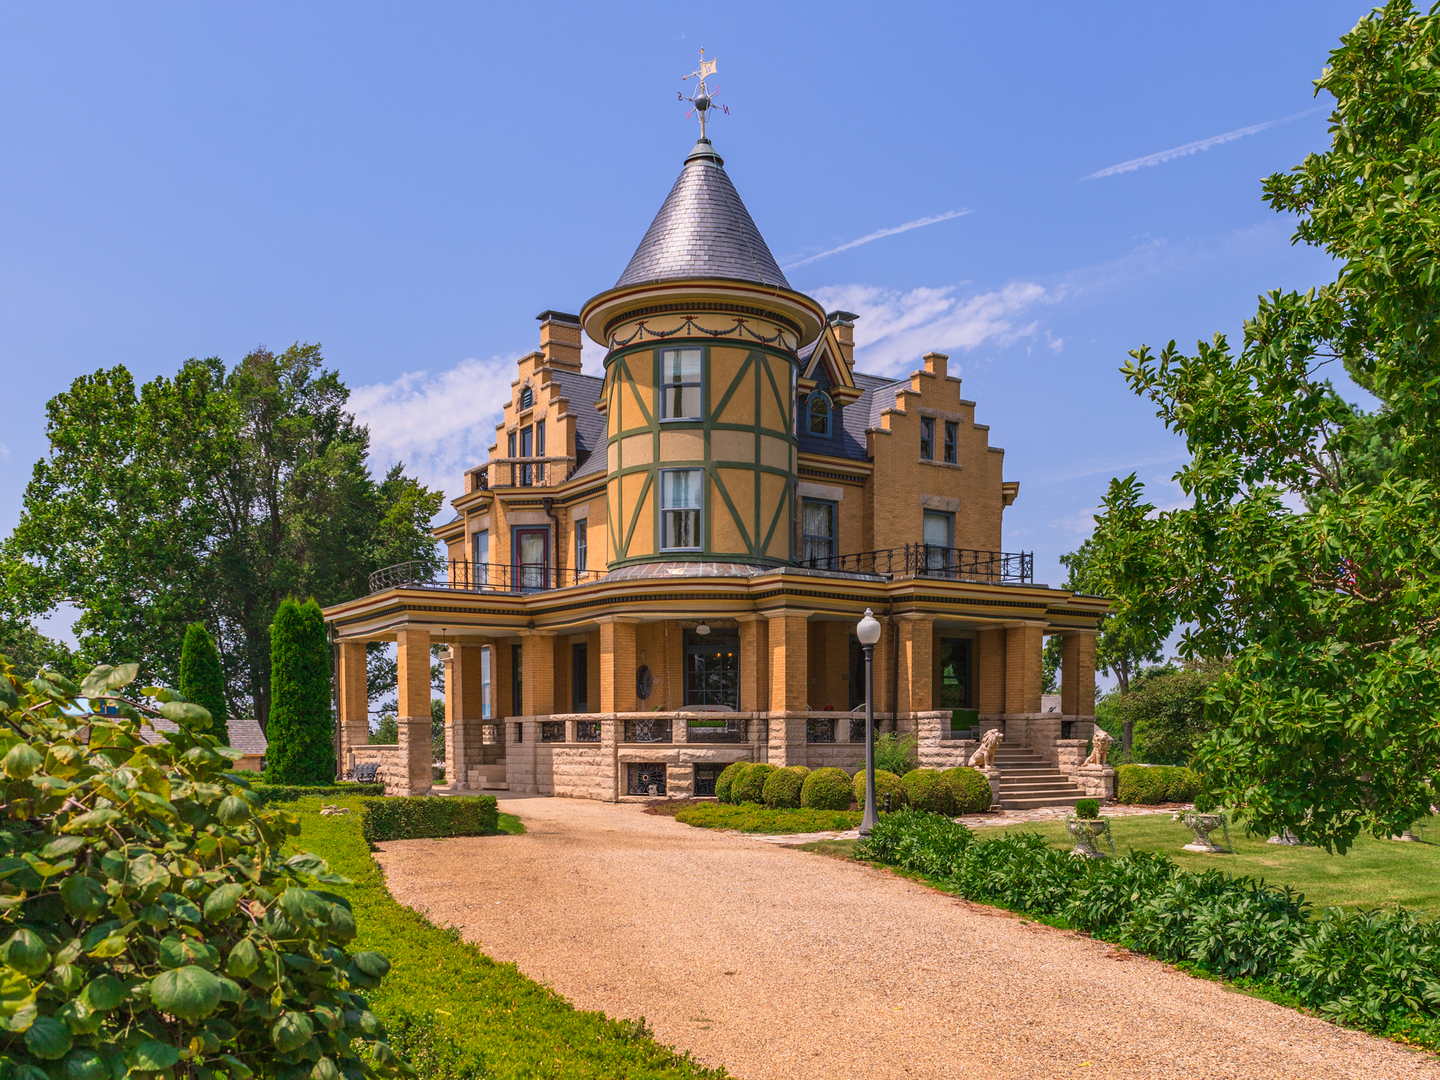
410	184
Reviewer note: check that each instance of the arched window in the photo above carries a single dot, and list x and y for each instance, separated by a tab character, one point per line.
820	411
527	399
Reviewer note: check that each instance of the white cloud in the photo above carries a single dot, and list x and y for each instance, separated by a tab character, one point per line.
895	329
440	424
1194	147
4	452
880	234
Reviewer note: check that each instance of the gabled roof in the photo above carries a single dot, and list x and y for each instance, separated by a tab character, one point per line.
583	391
703	231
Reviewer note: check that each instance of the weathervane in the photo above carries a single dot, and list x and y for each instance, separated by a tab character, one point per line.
704	99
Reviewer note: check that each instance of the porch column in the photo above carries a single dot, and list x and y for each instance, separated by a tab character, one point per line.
1023	668
617	663
754	663
789	678
990	672
413	655
538	679
917	643
464	710
1077	674
354	702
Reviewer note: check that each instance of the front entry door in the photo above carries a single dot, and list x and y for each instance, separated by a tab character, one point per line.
532	558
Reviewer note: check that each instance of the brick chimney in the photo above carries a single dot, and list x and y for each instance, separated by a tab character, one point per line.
844	324
560	339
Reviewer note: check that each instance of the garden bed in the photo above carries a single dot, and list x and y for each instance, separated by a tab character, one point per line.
754	818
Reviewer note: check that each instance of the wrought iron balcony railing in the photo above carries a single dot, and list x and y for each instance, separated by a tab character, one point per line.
462	575
549	471
932	561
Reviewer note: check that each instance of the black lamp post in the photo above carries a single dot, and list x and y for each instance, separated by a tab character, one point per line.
868	631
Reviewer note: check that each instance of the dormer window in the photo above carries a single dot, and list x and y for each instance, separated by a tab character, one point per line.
527	399
821	412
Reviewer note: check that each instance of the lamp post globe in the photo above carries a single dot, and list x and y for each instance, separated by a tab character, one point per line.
868	631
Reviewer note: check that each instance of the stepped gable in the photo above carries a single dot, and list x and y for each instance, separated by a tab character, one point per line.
703	231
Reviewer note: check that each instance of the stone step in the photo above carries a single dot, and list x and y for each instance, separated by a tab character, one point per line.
1033	802
1053	783
493	785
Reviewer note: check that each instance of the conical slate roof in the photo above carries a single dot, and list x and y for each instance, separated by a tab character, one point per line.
703	230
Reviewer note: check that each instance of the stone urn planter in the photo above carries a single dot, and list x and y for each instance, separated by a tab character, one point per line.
1085	831
1202	825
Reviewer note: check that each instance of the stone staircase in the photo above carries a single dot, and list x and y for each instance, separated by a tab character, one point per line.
488	778
1028	781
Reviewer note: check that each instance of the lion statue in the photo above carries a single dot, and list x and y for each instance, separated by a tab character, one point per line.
984	755
1101	749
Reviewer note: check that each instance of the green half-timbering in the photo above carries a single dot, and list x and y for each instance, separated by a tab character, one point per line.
740	446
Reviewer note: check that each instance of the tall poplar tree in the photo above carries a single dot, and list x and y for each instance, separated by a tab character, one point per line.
301	736
202	681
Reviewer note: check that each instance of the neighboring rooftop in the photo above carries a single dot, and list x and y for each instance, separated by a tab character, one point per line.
703	231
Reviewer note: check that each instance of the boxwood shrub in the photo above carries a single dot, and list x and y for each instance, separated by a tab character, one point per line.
886	783
726	778
1150	784
970	789
277	793
826	789
749	786
421	816
924	790
782	787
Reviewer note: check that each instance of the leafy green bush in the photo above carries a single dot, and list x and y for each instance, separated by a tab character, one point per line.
422	816
917	840
924	790
753	818
886	783
1020	871
160	927
276	793
896	753
782	787
201	679
301	731
726	778
826	789
1150	784
749	786
1087	808
970	789
1368	968
1167	707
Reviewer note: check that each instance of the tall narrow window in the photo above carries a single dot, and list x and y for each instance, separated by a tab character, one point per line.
817	533
510	453
820	413
938	530
952	431
485	683
580	665
680	384
480	556
517	686
582	546
927	438
680	508
527	399
527	449
540	451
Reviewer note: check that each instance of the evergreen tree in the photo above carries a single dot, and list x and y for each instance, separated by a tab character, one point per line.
302	730
202	681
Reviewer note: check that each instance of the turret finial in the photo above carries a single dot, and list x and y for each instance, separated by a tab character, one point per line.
703	100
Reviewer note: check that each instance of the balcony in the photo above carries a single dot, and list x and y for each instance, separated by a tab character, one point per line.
522	472
462	575
930	561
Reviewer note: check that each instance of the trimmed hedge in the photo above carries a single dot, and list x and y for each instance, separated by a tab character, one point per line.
749	786
428	816
969	787
201	679
925	790
1150	784
886	783
301	731
726	779
273	793
782	787
827	789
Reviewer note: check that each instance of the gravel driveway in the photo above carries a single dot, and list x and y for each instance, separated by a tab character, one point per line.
779	963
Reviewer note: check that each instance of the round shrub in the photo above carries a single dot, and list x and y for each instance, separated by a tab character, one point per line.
726	778
749	786
827	789
1181	784
1140	784
886	783
924	790
970	789
782	787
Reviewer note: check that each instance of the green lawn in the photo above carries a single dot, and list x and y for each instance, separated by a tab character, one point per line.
488	1019
1374	873
753	818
